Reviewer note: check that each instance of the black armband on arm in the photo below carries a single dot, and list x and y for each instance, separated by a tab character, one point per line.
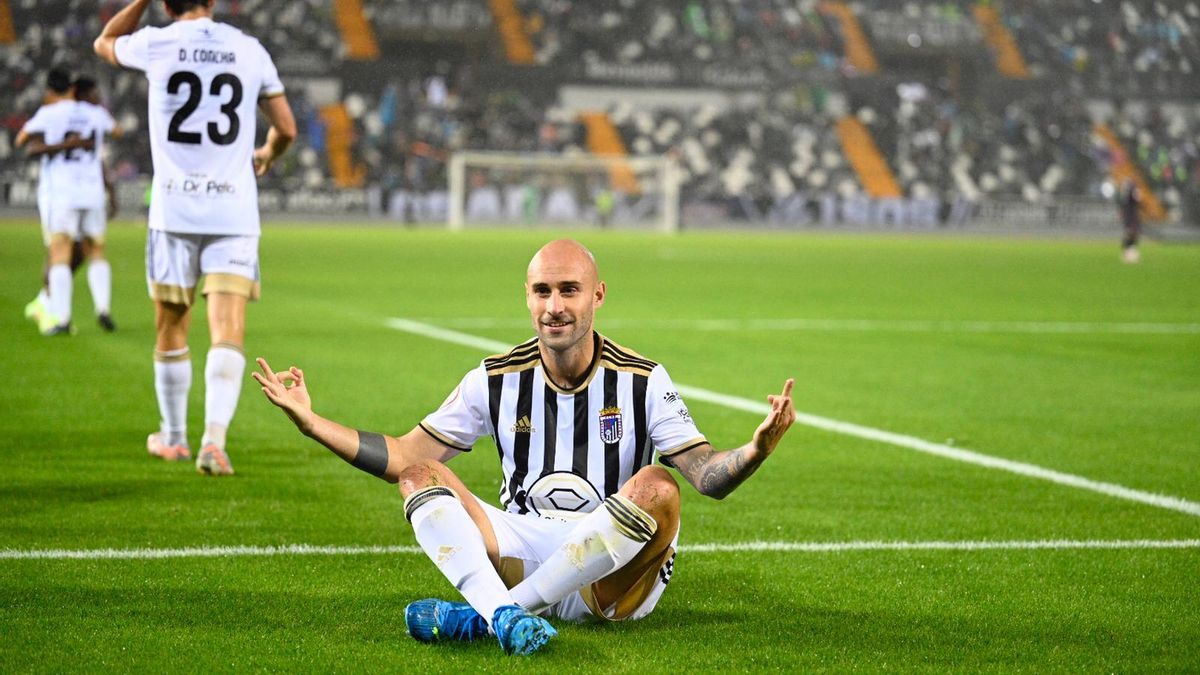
372	454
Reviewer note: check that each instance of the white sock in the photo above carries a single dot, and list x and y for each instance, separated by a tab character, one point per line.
44	296
223	370
172	381
100	281
452	541
60	292
603	542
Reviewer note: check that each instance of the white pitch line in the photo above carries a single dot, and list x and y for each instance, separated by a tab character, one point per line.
868	325
859	431
762	546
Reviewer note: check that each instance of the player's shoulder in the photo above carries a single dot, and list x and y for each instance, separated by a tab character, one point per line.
617	357
522	357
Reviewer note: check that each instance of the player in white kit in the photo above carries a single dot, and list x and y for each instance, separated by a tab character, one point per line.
206	81
67	136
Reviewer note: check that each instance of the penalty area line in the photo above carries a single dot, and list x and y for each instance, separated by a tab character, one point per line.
749	546
850	429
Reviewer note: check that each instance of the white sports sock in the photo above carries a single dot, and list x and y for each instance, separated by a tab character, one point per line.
172	381
223	370
603	542
60	292
44	296
450	538
100	282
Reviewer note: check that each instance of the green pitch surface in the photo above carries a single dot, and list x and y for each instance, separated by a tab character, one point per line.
1048	354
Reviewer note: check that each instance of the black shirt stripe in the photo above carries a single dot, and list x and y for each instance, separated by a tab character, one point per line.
549	429
521	441
579	461
641	445
612	451
495	389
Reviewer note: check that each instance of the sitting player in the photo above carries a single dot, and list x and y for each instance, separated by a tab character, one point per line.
589	526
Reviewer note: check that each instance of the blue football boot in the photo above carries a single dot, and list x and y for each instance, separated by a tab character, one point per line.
519	631
433	620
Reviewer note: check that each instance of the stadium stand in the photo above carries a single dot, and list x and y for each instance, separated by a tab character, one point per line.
1000	102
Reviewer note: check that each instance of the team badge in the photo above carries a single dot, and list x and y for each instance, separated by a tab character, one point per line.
610	425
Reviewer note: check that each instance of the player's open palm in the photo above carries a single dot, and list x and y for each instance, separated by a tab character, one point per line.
287	390
781	417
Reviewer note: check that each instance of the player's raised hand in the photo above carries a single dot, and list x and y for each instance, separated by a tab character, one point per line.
287	390
781	417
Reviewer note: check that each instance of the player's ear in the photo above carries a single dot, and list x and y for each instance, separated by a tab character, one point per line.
600	291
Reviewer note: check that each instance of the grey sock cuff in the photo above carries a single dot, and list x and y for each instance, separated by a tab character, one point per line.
423	496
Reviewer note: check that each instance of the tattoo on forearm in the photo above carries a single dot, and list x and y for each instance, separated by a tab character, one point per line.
723	472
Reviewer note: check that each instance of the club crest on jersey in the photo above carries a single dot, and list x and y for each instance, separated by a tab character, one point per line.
610	425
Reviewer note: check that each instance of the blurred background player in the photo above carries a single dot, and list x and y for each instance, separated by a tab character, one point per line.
206	80
67	136
1130	201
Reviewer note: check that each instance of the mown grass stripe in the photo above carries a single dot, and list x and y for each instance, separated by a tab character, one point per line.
859	431
871	325
742	547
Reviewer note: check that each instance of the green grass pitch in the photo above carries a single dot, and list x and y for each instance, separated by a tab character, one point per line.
1109	399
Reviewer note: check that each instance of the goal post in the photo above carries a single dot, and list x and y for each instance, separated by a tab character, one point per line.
513	188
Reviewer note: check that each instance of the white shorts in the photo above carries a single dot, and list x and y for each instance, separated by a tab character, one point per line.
526	541
176	261
73	223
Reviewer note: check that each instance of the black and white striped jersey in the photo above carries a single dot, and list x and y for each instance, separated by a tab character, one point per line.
566	450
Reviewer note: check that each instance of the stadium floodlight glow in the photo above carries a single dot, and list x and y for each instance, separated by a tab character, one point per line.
515	188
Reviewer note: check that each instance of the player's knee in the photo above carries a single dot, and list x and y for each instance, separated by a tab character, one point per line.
654	490
418	476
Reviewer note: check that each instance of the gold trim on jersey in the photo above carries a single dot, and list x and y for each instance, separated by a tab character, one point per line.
221	282
442	438
515	359
594	368
633	598
170	293
686	445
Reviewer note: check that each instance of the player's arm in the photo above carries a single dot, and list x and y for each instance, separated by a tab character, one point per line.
35	144
111	191
279	136
376	454
123	23
717	473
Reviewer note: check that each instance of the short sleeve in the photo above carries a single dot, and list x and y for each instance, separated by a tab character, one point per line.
271	84
107	123
669	423
36	124
464	417
133	51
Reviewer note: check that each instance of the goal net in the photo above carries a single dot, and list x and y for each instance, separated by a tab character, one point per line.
502	188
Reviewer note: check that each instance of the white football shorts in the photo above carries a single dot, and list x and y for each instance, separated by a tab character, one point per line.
175	262
531	539
73	223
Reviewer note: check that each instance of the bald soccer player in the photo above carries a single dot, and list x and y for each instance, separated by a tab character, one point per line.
589	525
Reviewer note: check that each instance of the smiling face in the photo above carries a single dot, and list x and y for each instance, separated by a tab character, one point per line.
562	291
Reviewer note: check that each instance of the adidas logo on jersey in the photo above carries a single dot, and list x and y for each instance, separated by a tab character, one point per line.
523	426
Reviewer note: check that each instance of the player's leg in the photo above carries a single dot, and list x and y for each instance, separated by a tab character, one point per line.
454	531
224	367
611	548
230	268
99	272
171	280
38	309
64	226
